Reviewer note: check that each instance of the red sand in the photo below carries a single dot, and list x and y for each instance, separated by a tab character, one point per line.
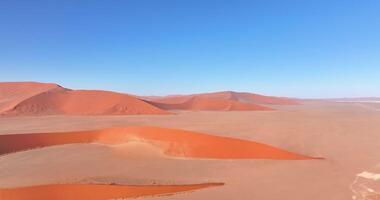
83	102
173	142
242	97
94	192
201	103
13	93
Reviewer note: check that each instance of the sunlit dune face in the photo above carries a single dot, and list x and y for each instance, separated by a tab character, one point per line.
95	192
172	142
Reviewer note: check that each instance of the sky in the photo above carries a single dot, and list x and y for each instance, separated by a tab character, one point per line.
295	48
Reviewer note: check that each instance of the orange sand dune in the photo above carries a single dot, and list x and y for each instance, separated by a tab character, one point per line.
172	142
12	93
32	98
243	97
202	103
83	102
94	192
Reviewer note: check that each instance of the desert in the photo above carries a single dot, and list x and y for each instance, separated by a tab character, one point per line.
296	150
189	100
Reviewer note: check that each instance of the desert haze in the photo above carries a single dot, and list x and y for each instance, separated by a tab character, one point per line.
58	143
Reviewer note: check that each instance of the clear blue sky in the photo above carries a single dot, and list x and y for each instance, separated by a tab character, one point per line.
316	48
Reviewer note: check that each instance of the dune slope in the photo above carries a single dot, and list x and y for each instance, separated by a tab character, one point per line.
12	93
261	99
173	142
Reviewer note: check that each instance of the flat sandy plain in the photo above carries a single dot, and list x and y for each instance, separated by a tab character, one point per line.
345	134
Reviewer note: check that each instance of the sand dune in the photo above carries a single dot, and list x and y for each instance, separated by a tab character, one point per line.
32	98
202	103
94	192
12	93
219	101
243	97
173	142
82	102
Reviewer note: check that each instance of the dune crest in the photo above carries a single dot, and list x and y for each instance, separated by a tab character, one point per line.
95	192
173	142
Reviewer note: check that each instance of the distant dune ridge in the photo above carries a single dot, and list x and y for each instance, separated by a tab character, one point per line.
32	98
243	97
201	103
223	101
172	142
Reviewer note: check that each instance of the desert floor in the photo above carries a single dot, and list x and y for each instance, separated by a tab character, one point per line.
347	135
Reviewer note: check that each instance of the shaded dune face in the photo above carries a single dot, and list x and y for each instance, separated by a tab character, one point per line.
172	142
13	93
83	102
202	103
95	192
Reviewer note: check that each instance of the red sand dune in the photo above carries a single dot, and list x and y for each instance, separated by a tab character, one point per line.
82	102
32	98
243	97
172	142
94	192
201	103
12	93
